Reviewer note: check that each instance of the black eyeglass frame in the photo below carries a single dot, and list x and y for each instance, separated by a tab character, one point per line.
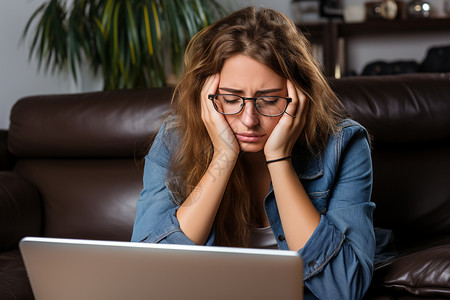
212	96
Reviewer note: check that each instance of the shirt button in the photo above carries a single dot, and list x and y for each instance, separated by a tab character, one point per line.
281	238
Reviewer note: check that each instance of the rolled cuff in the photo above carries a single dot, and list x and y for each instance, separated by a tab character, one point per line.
169	232
323	245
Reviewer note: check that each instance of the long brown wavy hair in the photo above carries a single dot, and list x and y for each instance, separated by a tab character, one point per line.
268	37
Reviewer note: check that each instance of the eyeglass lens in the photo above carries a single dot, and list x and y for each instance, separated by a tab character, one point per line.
267	105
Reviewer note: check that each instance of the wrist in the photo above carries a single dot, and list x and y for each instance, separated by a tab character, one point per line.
225	158
277	154
275	160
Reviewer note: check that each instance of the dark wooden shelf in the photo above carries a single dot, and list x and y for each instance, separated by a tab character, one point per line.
329	33
393	27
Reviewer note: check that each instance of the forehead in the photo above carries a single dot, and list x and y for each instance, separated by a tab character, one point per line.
245	73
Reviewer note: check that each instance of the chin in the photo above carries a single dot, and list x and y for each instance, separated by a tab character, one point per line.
249	147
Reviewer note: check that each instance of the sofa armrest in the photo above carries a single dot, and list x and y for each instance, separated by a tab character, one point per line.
6	160
423	273
20	210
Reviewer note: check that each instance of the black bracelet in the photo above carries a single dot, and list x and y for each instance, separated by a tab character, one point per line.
275	160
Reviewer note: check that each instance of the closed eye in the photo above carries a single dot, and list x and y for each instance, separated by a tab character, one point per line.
229	98
269	100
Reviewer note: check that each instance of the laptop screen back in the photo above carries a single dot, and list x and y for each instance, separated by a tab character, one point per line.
81	269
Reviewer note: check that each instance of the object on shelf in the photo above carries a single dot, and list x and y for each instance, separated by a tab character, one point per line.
306	11
437	60
328	37
438	9
354	14
389	9
418	9
384	10
390	68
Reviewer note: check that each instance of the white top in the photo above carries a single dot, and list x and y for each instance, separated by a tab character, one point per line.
263	238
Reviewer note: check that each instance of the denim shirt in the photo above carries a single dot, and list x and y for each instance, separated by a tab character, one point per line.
338	257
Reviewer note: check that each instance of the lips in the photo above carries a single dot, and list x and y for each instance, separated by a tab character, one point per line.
249	137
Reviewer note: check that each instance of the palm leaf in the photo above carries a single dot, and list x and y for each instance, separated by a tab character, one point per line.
156	20
148	33
132	34
129	41
33	16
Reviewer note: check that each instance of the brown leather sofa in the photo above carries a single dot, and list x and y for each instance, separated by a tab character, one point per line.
70	166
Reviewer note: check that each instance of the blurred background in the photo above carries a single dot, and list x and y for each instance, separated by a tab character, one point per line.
341	26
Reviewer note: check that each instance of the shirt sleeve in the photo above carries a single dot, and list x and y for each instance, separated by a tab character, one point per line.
338	258
156	220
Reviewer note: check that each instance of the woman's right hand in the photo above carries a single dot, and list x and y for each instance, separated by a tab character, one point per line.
197	213
219	131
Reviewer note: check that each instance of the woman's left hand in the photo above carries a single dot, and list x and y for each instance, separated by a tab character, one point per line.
289	127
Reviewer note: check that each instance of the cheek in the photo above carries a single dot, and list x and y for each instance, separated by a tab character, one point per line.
270	123
232	121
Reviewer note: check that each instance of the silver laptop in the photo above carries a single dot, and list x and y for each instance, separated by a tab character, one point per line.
65	269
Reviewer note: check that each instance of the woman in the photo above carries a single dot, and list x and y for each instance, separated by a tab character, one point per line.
257	153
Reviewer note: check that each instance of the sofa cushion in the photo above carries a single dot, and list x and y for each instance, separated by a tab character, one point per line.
411	191
99	124
14	283
86	198
6	161
408	118
20	210
424	273
401	108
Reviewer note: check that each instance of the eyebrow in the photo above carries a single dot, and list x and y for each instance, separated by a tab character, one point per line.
236	91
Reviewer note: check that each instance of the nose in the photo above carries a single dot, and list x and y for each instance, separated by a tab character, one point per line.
249	116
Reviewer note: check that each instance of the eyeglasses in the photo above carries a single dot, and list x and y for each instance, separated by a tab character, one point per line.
269	106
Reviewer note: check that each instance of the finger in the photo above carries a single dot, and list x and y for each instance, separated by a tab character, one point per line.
292	108
303	103
210	87
215	83
299	100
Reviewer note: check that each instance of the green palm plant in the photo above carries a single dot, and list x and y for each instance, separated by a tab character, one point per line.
129	41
